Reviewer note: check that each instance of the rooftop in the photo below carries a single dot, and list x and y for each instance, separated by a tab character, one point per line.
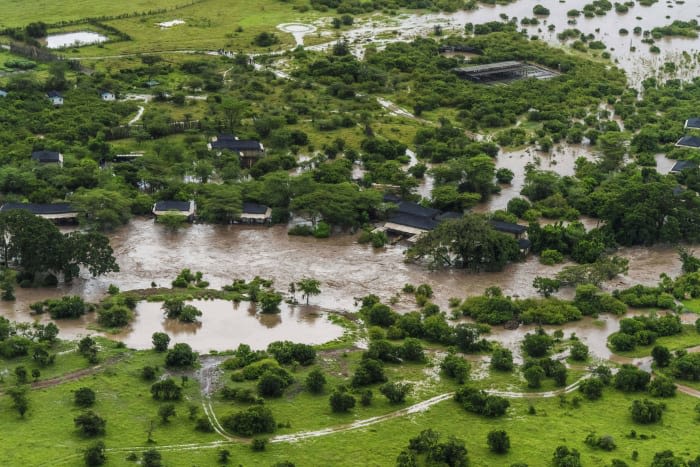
46	156
693	123
508	227
418	222
183	206
415	209
237	144
53	94
254	208
39	209
490	67
683	165
689	142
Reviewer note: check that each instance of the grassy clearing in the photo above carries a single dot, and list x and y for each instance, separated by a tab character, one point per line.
15	12
533	437
209	25
692	305
123	399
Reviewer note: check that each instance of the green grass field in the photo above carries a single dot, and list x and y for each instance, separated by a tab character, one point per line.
533	437
16	12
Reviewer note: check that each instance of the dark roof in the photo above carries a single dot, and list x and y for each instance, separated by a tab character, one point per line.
683	165
46	156
58	208
414	209
689	141
53	94
236	144
254	208
524	243
448	215
391	198
508	227
418	222
183	206
693	122
226	137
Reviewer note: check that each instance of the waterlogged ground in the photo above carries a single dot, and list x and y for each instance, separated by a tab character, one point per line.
638	63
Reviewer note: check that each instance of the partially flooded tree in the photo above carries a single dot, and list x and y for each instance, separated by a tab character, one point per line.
308	287
467	243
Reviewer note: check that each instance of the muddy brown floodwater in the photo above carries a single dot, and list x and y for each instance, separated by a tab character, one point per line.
148	253
224	325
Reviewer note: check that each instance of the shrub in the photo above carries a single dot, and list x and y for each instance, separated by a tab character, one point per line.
479	402
502	359
592	388
315	381
181	355
606	443
166	390
579	351
629	379
395	392
551	257
662	386
252	421
84	397
646	411
498	441
90	424
341	401
455	367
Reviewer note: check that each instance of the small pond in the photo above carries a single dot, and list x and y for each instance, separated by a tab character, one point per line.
224	325
59	41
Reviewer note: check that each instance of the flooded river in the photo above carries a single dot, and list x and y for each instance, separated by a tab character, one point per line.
148	253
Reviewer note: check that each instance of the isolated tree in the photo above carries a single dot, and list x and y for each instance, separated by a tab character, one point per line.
662	356
534	375
546	286
166	390
21	374
181	355
160	341
90	424
95	454
166	411
498	441
341	401
20	402
395	392
315	381
84	397
151	458
502	359
308	287
36	373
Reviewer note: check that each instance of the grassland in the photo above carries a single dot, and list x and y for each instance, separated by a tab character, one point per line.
16	12
533	437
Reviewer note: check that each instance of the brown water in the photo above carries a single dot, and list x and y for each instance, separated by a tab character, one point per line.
639	64
224	325
347	270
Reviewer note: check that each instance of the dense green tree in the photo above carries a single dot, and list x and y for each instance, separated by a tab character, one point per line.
95	454
160	341
469	242
84	397
90	424
498	441
181	355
